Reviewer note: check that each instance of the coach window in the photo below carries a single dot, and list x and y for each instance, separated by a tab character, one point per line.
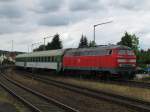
46	59
40	59
43	59
49	59
55	58
52	59
37	59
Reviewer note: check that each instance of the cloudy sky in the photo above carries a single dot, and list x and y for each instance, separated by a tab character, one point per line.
29	21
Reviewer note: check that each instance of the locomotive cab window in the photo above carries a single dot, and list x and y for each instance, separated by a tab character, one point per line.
110	52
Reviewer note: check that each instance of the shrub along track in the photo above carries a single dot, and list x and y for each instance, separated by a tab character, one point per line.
100	95
35	100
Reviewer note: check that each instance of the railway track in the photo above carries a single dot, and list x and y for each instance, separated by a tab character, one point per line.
36	101
122	100
130	83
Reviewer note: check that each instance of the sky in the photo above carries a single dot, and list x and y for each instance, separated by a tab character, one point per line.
26	22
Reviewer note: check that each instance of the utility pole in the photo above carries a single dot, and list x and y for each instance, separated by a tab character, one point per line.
32	45
99	25
12	45
45	41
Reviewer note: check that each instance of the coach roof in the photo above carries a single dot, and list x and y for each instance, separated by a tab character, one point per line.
42	53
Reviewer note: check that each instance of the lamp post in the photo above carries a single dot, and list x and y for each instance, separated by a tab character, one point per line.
99	25
45	41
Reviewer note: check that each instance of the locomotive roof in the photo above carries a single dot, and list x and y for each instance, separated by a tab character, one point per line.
100	47
114	47
42	53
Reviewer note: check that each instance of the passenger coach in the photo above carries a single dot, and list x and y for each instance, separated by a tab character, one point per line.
51	59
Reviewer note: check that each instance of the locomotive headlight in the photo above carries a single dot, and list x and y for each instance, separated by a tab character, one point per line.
133	65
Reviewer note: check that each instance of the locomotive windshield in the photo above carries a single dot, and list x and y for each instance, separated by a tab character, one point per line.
125	52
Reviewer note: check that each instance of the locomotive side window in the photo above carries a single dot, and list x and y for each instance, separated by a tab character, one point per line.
122	52
125	52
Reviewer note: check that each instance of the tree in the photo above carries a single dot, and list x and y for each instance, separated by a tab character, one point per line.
40	48
135	42
56	43
130	40
92	44
83	42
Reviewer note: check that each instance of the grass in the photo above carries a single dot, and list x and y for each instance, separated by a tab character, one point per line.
140	93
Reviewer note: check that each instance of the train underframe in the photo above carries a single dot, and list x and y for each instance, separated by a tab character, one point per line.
103	73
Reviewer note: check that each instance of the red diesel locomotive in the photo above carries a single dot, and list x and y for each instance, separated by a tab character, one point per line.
106	61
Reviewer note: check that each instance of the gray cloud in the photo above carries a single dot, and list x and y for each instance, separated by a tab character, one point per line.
84	5
62	18
11	10
30	18
129	4
7	0
15	26
45	6
54	20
